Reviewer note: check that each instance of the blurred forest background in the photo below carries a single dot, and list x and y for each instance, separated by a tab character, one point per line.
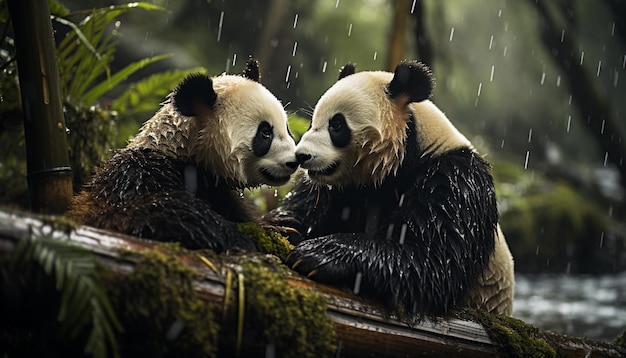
537	86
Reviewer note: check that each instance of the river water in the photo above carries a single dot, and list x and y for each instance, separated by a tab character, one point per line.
583	306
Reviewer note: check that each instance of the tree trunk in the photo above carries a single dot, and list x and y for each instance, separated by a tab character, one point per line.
362	328
49	172
397	41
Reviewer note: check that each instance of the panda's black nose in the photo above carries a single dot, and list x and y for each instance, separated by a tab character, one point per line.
302	157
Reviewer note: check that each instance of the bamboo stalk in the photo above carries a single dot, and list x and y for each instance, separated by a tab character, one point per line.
49	172
362	328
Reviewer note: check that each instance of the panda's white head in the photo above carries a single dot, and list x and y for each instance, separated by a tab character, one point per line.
359	128
230	124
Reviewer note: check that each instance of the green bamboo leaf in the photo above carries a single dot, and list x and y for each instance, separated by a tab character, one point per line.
57	9
98	91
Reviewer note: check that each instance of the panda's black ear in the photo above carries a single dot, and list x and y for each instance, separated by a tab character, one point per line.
252	71
412	79
196	89
347	70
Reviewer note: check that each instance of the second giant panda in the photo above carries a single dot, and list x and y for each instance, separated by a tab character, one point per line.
396	204
180	178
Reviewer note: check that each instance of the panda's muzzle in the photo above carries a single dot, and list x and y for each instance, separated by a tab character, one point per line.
329	170
274	179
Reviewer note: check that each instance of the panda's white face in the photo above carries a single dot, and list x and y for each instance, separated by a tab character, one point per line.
250	132
347	142
358	132
232	125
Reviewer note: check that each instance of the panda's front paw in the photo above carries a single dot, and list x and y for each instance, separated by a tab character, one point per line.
315	259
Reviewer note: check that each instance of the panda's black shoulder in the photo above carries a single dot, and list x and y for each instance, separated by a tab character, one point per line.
134	172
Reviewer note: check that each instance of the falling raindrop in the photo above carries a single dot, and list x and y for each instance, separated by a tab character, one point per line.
349	30
599	66
582	57
234	60
606	158
174	330
295	21
491	42
276	193
602	127
500	13
569	122
504	52
375	55
602	239
413	8
613	29
562	35
558	81
345	213
526	159
324	67
543	78
295	47
357	283
451	34
270	350
530	135
403	233
337	4
401	201
191	179
288	72
219	27
502	144
389	231
615	77
480	87
491	76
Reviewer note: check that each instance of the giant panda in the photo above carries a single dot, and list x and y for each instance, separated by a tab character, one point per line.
180	178
396	204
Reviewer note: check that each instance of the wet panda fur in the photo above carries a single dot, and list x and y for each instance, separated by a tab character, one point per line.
396	204
180	178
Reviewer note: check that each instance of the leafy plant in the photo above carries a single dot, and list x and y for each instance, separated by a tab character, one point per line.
83	311
85	54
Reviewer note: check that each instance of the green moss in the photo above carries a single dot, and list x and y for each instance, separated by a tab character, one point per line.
160	311
621	340
512	337
290	319
267	239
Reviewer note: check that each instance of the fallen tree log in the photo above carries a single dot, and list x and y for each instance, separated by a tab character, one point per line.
361	328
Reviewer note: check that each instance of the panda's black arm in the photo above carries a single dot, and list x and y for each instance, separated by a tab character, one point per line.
302	209
439	245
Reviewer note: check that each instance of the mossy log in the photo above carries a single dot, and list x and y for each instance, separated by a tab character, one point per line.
362	328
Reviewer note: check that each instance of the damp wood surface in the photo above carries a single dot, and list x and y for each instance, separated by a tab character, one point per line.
362	328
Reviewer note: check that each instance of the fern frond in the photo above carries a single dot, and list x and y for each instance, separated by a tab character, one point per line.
83	302
143	96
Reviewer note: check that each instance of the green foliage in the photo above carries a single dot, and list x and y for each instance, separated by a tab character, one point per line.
145	95
298	125
269	240
85	54
512	337
290	319
550	225
161	313
84	314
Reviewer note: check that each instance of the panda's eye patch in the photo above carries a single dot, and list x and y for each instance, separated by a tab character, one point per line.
262	139
339	131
